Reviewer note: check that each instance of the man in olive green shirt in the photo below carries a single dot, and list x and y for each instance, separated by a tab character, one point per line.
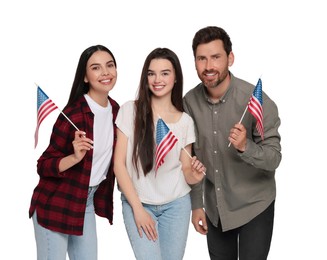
239	190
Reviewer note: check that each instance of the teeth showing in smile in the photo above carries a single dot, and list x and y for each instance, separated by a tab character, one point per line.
105	81
158	87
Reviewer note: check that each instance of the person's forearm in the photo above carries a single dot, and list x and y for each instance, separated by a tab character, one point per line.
67	162
127	188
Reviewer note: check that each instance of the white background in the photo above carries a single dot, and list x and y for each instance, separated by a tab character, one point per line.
284	42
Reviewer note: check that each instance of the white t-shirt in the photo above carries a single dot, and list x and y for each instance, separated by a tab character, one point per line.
169	182
103	136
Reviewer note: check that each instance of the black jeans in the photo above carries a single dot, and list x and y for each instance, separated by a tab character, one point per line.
248	242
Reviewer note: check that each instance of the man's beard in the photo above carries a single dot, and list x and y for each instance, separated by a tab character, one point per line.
216	83
213	84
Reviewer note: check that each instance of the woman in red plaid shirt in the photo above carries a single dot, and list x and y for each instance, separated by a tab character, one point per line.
76	173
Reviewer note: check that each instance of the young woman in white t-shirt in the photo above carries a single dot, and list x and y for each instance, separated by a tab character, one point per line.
155	196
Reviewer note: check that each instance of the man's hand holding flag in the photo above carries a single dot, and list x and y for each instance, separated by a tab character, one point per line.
254	106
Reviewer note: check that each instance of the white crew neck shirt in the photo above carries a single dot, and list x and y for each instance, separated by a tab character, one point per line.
103	134
169	182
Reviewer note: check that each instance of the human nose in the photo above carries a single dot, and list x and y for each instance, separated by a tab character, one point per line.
157	78
209	64
105	72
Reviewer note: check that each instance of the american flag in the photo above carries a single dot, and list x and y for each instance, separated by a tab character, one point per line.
44	107
255	107
165	141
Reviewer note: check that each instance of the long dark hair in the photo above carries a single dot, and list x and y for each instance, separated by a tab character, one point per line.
79	87
209	34
144	144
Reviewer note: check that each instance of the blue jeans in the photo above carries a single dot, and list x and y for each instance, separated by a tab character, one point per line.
172	223
54	245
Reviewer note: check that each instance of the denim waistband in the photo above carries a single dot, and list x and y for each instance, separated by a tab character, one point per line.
93	187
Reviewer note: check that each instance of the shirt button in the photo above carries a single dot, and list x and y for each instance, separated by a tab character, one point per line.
218	189
215	132
215	151
216	170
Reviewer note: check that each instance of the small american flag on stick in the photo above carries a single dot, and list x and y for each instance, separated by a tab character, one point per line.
255	107
165	140
44	107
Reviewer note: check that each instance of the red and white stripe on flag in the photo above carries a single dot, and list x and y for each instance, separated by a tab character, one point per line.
255	109
165	141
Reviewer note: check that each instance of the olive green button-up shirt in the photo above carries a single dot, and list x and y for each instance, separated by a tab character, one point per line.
238	186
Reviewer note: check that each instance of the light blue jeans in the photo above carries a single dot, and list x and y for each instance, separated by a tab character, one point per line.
172	223
54	245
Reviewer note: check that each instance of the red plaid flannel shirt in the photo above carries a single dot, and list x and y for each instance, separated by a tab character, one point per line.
60	197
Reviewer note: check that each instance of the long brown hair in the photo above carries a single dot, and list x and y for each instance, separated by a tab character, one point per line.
144	143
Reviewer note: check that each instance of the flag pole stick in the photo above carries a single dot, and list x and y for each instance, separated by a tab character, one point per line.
241	119
187	152
68	119
191	157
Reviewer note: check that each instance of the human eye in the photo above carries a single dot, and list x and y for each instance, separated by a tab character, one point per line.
95	67
111	65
